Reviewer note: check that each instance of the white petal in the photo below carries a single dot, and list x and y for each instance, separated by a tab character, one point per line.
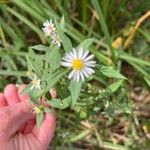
85	54
88	58
72	55
50	21
75	53
71	74
90	63
68	56
32	87
81	76
58	44
78	76
89	70
38	86
85	73
46	23
80	53
75	76
66	64
67	60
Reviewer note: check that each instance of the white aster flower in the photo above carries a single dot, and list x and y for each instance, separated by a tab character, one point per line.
80	62
56	39
36	83
48	28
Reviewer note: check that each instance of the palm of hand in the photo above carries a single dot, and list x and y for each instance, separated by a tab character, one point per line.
18	130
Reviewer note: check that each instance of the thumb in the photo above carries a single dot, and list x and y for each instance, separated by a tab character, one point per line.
45	133
13	117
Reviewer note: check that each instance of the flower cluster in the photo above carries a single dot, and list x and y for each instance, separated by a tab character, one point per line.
50	30
79	61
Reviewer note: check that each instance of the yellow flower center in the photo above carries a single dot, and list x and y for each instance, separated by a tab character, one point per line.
36	110
50	27
34	81
77	64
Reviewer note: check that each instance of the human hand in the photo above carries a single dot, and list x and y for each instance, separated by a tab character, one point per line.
18	130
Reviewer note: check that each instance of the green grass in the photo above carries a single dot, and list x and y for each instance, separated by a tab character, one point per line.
98	121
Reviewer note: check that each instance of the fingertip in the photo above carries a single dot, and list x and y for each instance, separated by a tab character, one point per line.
46	131
11	94
50	119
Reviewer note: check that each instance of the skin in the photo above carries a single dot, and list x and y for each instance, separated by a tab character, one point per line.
18	130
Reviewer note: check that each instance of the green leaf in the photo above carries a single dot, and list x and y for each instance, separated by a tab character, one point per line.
110	72
33	101
58	103
62	23
114	86
102	22
26	89
75	88
47	110
54	78
65	40
35	94
39	119
38	65
40	47
54	59
86	43
30	64
130	59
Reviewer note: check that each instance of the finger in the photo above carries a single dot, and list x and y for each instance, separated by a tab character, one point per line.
45	133
3	101
22	96
13	117
11	94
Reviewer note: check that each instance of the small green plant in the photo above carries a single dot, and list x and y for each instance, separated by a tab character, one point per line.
46	70
106	106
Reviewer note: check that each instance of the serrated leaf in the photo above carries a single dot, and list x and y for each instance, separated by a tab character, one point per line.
110	72
58	103
30	64
54	59
62	23
26	89
54	78
35	94
38	65
65	40
39	119
33	101
86	43
114	86
40	48
75	88
47	110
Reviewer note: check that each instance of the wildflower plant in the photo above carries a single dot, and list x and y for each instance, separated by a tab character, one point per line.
69	69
